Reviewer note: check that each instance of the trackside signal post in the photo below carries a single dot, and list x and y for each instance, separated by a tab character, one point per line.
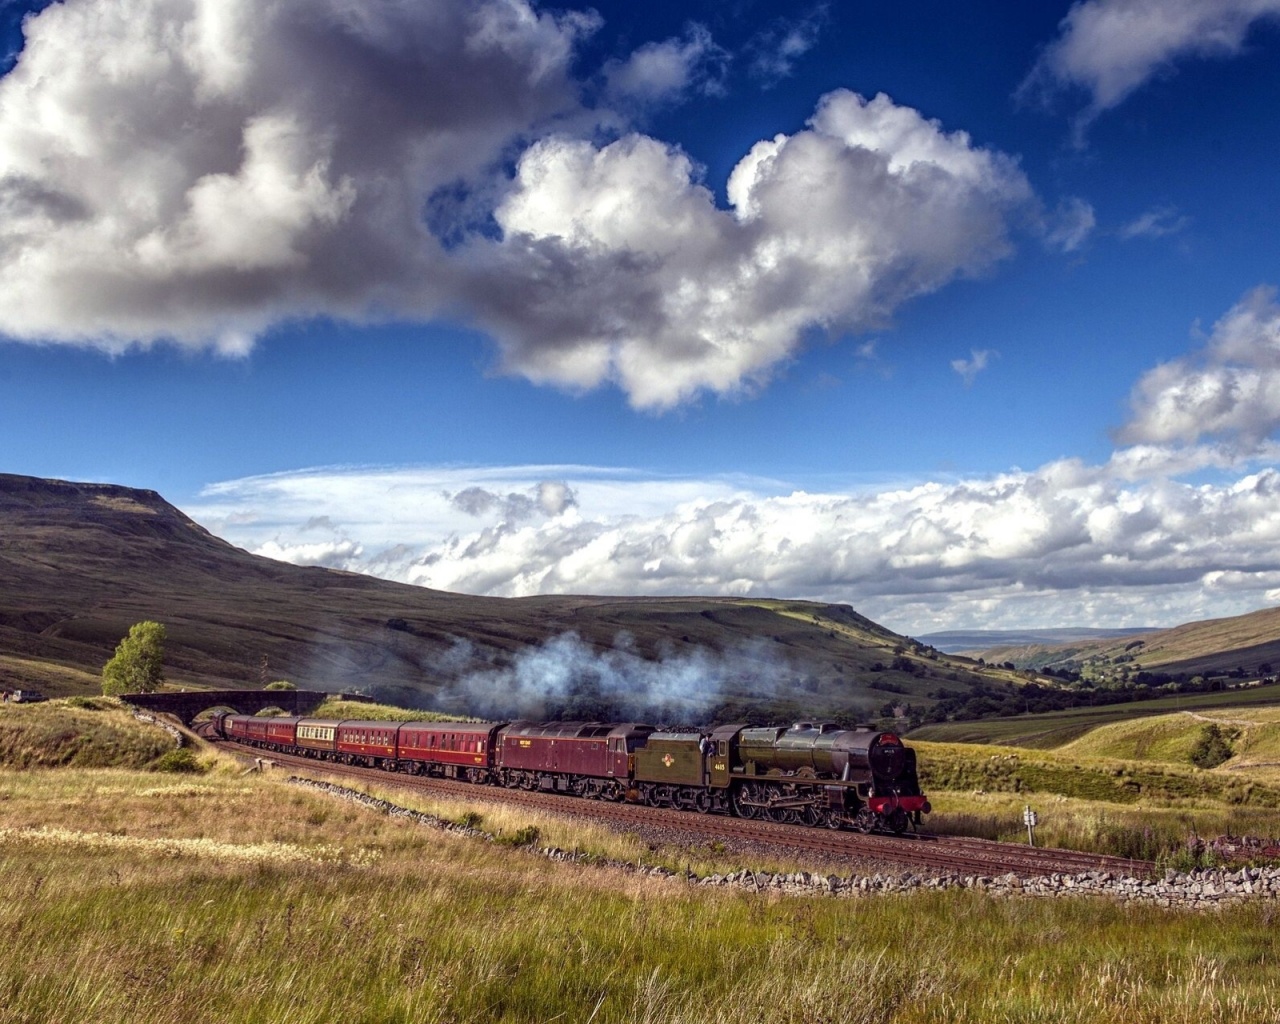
1032	820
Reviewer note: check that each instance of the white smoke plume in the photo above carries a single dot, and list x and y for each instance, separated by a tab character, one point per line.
570	679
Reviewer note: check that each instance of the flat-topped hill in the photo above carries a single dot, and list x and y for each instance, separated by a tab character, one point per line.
81	562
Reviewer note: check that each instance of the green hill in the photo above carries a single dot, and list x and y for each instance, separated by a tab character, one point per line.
81	733
1243	644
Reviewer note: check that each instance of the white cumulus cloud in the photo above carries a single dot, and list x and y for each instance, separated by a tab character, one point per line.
198	171
618	265
1110	48
664	72
1229	391
1066	543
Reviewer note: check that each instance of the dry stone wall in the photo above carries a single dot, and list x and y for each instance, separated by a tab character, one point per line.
146	718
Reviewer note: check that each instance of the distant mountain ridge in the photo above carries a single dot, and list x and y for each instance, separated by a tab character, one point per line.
954	641
81	562
1246	644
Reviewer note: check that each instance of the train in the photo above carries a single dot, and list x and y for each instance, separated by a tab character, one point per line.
808	773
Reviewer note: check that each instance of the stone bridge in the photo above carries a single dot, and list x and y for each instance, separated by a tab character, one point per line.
247	702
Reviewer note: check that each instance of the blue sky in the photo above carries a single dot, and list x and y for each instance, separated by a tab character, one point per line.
957	313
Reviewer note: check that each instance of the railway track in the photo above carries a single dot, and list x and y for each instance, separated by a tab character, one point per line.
941	854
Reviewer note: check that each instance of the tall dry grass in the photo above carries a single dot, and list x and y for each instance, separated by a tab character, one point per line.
80	732
187	916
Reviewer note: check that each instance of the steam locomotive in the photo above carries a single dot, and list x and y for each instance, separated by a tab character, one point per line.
808	773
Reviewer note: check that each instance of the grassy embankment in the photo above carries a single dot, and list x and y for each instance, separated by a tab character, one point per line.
335	707
1054	728
1127	787
224	899
84	732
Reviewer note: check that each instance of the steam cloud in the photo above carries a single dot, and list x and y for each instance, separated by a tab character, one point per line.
568	678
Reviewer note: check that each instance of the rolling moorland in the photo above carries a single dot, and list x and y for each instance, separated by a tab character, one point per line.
1244	643
82	562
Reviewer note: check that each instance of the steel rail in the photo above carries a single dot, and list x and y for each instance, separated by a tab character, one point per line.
955	854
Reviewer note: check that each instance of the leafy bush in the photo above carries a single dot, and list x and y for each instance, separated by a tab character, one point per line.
181	761
1212	749
527	836
280	684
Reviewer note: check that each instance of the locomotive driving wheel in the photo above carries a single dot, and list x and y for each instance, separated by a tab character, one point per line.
742	806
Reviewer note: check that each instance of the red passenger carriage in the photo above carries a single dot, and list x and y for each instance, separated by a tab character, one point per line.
454	750
282	732
367	743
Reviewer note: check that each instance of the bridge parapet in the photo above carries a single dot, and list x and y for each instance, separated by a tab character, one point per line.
247	702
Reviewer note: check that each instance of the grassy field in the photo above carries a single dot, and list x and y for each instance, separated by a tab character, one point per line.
229	899
1127	787
50	678
1055	728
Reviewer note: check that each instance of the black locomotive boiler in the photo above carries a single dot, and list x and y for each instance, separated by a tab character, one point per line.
807	773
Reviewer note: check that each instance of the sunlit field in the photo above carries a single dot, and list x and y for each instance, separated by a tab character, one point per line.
219	894
241	898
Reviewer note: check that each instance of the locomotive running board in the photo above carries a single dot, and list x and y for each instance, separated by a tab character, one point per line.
779	806
800	780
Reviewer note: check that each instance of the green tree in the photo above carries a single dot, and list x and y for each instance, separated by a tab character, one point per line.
137	666
1212	748
280	684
